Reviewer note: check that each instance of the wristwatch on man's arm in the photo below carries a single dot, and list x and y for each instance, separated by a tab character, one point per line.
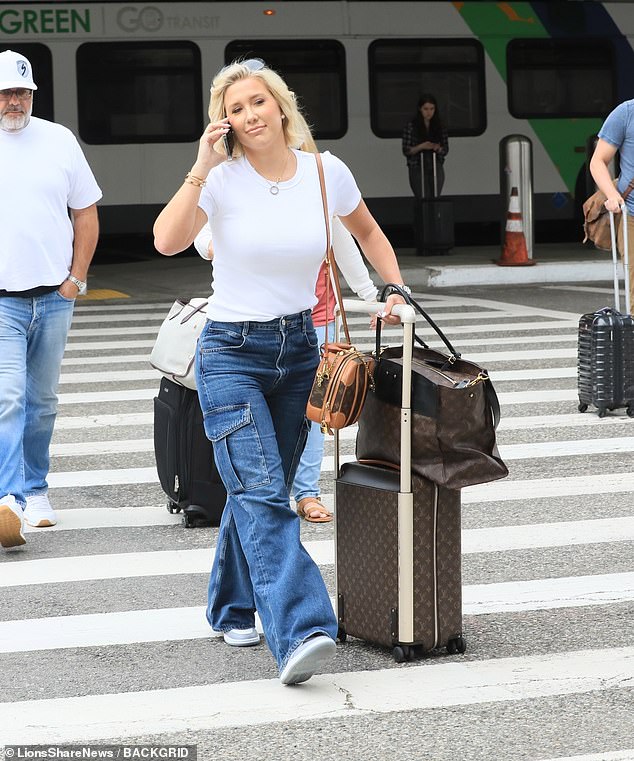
81	286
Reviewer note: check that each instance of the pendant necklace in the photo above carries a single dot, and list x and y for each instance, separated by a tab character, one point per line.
274	188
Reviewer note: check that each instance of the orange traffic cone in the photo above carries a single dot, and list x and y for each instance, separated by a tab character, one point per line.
514	253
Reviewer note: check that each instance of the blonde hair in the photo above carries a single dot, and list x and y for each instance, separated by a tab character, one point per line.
296	130
308	143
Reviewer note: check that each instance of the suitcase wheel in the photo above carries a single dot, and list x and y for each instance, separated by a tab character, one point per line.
172	507
456	645
602	412
630	411
341	634
582	407
195	516
399	654
402	653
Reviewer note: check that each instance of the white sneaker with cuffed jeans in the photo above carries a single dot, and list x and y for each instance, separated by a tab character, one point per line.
38	511
242	637
308	658
11	523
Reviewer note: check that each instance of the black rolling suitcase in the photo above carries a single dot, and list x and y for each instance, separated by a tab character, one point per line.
184	457
398	549
435	223
605	357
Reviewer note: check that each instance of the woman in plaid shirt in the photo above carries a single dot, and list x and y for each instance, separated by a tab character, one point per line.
424	136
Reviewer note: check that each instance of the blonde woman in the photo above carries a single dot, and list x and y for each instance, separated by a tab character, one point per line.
352	267
258	353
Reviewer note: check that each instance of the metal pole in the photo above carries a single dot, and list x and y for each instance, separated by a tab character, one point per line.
516	170
615	262
626	261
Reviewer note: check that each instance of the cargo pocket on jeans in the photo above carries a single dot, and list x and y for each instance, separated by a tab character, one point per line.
237	447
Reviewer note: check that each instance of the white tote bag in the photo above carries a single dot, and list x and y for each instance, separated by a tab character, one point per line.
174	352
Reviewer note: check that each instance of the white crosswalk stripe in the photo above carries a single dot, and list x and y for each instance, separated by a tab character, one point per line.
169	624
545	548
75	346
334	695
104	421
508	452
618	755
112	359
174	562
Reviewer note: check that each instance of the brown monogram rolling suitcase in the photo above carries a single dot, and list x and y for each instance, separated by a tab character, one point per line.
398	549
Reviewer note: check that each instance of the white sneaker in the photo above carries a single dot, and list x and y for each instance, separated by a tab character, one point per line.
38	511
11	523
310	656
242	637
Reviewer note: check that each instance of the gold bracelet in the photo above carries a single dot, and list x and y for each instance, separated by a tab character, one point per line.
193	180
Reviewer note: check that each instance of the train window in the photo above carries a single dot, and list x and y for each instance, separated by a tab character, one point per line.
139	92
314	69
560	78
452	70
42	64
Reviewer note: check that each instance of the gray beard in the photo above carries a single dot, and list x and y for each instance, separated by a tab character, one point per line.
13	124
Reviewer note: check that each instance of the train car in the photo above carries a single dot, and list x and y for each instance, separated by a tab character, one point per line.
132	81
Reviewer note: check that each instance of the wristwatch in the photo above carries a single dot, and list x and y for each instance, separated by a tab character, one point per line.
406	288
83	287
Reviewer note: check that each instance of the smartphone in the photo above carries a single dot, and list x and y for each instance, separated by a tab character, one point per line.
228	143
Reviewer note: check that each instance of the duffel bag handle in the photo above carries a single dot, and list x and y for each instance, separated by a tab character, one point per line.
393	288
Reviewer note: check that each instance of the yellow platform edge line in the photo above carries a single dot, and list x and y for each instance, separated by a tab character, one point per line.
100	294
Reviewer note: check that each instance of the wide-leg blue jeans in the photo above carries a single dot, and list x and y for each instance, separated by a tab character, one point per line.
253	381
33	335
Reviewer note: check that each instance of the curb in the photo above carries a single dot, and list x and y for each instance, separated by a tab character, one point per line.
490	274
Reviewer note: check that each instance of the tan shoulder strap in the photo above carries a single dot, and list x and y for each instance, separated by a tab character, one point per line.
329	258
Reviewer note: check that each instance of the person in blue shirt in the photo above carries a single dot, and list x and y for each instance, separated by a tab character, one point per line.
617	134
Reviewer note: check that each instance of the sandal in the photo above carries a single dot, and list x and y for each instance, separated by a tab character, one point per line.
307	507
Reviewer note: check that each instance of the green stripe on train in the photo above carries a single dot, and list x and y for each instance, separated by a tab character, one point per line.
495	24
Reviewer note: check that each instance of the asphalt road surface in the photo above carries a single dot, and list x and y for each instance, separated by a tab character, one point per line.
103	637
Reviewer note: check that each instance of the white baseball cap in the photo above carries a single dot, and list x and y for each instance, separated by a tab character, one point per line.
15	71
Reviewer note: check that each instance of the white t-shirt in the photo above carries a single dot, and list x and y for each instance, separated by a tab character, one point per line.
268	248
44	173
202	241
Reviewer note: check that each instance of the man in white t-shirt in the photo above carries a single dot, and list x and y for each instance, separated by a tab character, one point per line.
45	252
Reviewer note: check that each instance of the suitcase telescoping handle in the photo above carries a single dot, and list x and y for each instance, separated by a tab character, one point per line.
626	262
422	173
408	320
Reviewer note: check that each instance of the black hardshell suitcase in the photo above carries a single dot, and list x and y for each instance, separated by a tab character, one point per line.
435	223
398	549
605	356
184	457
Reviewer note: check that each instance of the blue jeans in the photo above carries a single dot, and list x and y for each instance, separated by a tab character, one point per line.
253	381
306	482
33	335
